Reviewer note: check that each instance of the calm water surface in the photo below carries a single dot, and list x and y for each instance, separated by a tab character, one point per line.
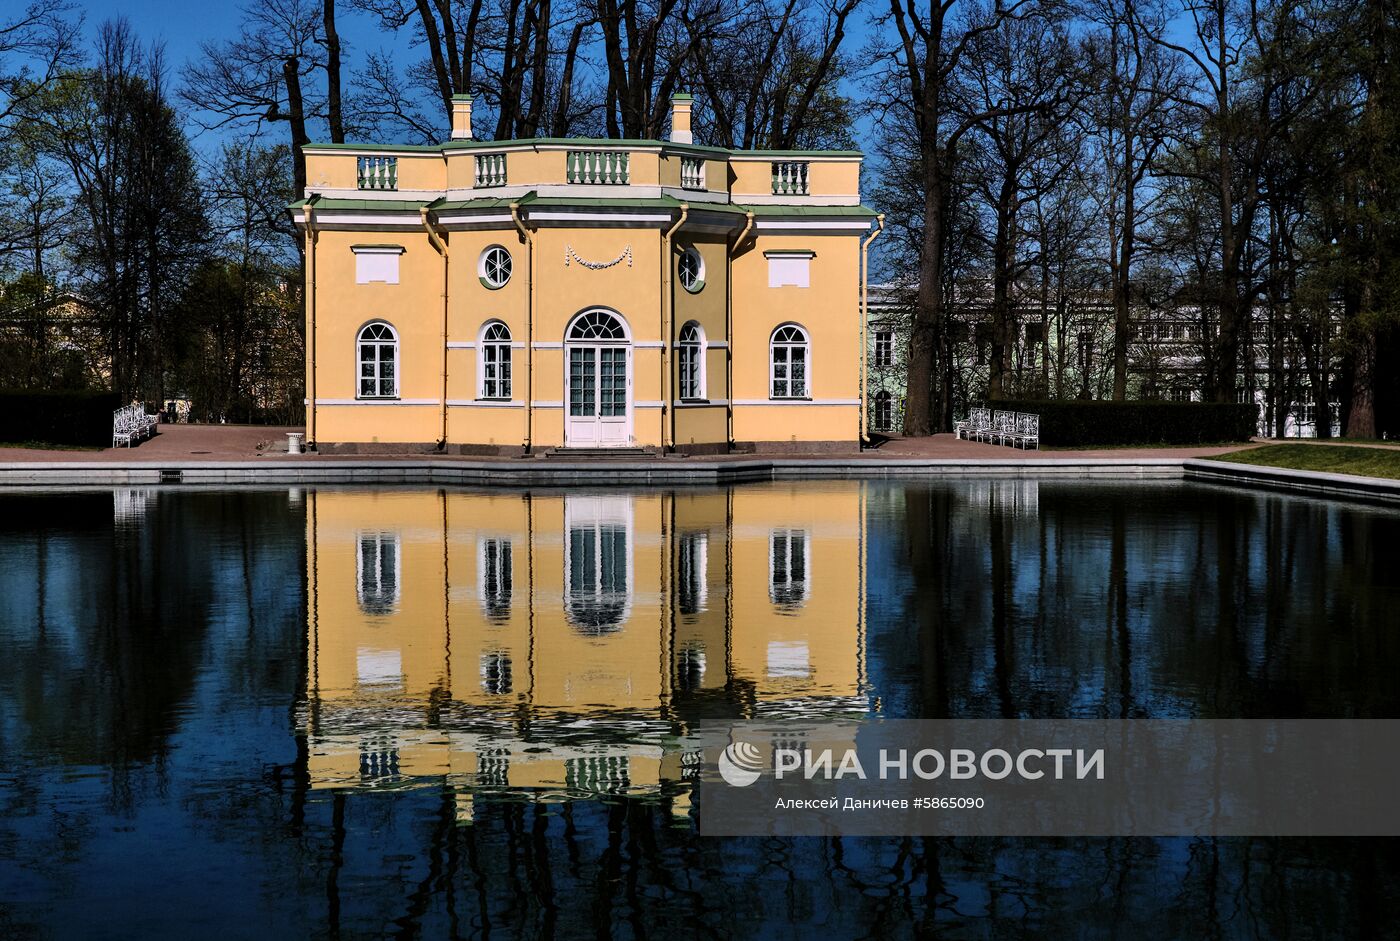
426	713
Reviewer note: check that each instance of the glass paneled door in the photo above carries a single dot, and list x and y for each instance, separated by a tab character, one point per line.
599	357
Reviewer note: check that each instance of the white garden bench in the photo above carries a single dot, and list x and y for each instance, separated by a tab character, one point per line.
130	425
978	422
1014	429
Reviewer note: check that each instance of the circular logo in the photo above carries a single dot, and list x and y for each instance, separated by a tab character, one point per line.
740	763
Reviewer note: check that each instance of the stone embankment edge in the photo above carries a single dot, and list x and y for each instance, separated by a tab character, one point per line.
560	472
1345	486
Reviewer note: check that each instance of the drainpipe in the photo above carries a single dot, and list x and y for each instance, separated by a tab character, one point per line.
865	325
529	238
667	340
441	247
729	332
310	209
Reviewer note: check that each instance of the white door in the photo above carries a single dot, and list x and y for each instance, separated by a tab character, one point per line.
599	378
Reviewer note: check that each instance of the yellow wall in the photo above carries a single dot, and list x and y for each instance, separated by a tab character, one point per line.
377	678
564	287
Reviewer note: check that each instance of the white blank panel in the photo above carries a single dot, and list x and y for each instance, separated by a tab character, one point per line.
789	659
378	667
789	270
376	266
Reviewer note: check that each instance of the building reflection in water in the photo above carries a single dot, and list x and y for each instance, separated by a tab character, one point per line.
556	645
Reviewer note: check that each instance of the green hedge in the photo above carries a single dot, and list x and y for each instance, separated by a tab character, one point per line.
77	418
1077	423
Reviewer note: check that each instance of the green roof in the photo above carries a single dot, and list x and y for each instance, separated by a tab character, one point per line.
385	205
668	203
771	210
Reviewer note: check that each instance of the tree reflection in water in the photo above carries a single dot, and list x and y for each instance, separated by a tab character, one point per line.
206	728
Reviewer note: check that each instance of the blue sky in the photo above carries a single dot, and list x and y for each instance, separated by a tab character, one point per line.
182	26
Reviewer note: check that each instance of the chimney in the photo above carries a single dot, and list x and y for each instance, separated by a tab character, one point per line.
462	117
680	119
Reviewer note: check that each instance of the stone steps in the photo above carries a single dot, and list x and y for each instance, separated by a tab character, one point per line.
616	454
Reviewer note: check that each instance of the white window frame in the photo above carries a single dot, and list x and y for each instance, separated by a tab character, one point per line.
591	515
370	603
486	344
787	346
377	264
690	362
497	673
693	548
495	599
482	267
797	590
697	282
392	341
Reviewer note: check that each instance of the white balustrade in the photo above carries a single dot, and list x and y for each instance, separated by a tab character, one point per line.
692	173
599	167
378	173
789	178
490	170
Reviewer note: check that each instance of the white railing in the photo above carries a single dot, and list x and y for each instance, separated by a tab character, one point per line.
604	167
378	173
692	173
131	424
490	170
790	179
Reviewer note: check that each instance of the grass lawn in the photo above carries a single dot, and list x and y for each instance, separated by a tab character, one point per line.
1332	459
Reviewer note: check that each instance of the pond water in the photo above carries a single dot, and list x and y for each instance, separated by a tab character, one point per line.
423	713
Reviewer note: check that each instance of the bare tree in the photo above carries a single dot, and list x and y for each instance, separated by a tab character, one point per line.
1238	120
931	44
265	74
38	45
1020	87
1131	110
768	75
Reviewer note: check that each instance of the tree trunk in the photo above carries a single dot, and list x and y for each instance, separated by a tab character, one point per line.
1122	277
296	116
927	390
1001	288
333	108
1361	421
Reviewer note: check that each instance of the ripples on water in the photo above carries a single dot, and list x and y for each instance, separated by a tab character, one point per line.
334	713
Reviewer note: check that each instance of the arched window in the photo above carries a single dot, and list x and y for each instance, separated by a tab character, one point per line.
884	417
496	576
597	325
788	551
496	679
379	360
788	363
692	565
596	603
691	361
597	563
495	361
690	668
377	573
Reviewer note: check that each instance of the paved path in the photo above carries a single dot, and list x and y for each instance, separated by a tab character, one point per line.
199	443
174	443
